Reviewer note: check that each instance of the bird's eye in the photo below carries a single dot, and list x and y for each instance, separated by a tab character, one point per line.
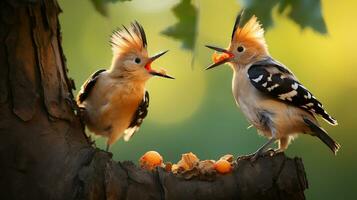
240	49
137	60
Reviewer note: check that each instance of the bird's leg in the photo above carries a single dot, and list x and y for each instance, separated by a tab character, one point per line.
91	140
107	148
283	144
261	151
81	113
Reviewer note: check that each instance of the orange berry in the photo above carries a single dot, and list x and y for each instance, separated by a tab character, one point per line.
216	57
223	166
150	160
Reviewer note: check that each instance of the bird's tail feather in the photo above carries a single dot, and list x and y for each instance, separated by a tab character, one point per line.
329	118
323	136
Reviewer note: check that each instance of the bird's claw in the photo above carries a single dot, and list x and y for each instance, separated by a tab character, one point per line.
81	111
91	141
271	152
255	156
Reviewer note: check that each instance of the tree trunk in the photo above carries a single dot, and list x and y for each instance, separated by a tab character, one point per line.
45	154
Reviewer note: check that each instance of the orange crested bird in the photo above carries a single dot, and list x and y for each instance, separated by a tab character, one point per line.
268	93
114	102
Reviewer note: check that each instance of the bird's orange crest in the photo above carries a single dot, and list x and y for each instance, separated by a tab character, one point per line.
128	39
251	32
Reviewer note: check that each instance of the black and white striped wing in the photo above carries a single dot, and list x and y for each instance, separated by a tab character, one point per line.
138	117
88	86
275	81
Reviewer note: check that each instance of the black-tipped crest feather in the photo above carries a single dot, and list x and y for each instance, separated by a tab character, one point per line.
237	23
142	33
127	32
128	37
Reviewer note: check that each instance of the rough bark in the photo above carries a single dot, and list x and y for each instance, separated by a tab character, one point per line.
44	153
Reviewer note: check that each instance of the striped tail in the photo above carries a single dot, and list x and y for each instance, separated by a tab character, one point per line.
329	118
322	112
323	136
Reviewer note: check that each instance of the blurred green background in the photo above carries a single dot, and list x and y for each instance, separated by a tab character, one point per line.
196	112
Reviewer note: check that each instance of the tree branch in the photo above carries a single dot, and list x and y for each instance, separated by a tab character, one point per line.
44	153
277	177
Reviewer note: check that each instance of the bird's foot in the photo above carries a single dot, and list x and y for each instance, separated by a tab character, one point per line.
258	154
91	141
277	151
255	156
81	111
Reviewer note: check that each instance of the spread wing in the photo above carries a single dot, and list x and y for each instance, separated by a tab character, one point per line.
275	80
88	86
138	117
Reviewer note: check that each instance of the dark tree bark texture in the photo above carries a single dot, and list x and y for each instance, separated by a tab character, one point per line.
45	154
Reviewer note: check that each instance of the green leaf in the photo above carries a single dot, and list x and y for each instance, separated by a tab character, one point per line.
102	5
260	8
305	13
186	28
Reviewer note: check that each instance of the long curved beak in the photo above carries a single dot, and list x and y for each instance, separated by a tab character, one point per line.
228	56
154	72
152	58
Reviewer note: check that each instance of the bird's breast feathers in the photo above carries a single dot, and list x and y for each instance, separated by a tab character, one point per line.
126	98
113	103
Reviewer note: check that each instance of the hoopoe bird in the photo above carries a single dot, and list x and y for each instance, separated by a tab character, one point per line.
114	102
268	93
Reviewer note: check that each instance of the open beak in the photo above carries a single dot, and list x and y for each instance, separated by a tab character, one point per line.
220	59
153	72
